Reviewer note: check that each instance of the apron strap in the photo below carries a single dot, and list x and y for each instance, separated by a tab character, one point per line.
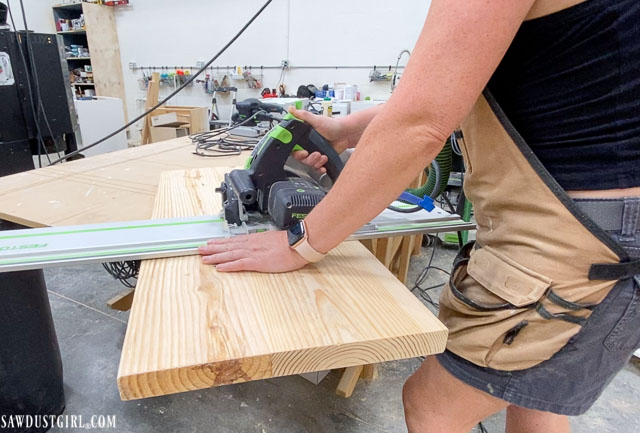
559	316
614	271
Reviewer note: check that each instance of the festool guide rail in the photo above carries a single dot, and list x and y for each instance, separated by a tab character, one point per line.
135	240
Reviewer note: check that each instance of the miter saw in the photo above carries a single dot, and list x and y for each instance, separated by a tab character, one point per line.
267	188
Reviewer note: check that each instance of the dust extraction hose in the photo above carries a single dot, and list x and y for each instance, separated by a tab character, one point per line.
438	175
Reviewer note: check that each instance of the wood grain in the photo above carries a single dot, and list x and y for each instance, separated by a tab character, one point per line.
191	327
116	186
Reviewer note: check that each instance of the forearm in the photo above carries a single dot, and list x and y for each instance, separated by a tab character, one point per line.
357	122
374	176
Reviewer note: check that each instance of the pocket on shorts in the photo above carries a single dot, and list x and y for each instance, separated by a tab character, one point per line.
626	334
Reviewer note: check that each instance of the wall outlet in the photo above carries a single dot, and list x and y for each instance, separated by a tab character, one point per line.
200	64
285	64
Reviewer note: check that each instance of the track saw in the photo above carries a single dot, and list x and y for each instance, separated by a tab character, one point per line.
268	189
270	193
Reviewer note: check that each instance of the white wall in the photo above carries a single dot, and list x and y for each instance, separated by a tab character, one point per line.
39	14
307	32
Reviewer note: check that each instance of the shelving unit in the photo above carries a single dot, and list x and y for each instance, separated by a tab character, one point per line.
73	32
100	37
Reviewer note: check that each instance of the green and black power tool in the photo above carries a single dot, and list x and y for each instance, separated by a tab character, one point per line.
265	188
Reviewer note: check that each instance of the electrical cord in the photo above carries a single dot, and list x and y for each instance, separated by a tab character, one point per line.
36	86
281	77
224	146
172	94
39	138
455	146
312	107
125	272
220	143
417	285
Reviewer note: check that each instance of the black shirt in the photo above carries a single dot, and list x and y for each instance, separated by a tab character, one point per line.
570	84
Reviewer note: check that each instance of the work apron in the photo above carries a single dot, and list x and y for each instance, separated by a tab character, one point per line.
539	265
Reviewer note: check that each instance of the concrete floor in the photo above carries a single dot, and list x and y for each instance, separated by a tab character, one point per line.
91	336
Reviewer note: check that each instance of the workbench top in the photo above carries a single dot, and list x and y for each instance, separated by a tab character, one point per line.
116	186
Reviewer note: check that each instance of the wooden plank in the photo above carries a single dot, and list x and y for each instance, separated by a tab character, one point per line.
152	99
102	38
348	381
406	248
116	186
369	372
122	301
191	327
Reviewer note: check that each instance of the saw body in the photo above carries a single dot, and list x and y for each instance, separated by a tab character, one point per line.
266	187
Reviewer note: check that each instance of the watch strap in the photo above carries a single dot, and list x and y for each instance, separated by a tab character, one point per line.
307	252
304	248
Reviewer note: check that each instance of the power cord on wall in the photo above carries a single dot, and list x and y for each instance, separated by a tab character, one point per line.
172	94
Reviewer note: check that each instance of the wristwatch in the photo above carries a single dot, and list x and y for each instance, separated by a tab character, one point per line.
299	241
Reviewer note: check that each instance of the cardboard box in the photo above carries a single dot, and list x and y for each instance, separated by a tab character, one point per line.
168	119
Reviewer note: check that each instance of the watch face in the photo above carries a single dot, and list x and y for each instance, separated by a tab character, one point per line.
295	233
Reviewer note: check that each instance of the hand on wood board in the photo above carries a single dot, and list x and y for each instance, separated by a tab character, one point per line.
262	252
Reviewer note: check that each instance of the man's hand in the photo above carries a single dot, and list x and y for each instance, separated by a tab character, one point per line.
262	252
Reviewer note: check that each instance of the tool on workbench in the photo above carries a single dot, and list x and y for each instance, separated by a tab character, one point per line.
252	107
267	188
267	195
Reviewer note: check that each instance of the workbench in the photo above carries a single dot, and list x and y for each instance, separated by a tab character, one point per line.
123	185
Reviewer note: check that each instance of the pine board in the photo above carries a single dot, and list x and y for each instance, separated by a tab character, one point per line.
191	327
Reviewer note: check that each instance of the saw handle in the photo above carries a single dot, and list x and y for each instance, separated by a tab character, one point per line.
267	163
317	143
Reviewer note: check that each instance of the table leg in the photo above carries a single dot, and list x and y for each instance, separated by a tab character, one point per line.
348	381
369	372
122	301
